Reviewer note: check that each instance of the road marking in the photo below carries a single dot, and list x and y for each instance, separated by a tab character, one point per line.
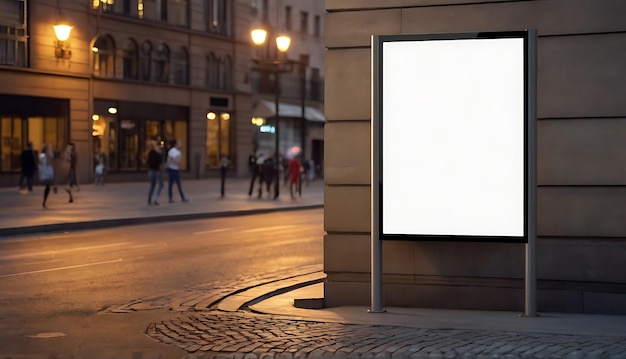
61	251
268	229
60	268
213	231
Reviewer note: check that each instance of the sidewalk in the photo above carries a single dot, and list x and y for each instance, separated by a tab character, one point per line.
116	204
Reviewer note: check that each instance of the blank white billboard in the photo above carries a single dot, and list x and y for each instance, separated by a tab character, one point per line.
452	136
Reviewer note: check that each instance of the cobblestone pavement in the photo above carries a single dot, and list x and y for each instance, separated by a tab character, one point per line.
242	335
214	323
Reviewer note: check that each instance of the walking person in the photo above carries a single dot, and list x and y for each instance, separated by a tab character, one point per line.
294	176
69	158
155	162
70	155
253	168
99	168
29	166
223	170
269	172
46	171
173	170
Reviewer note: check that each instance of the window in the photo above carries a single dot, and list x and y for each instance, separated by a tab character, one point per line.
180	65
177	12
123	137
304	22
104	57
171	11
162	64
219	72
13	33
316	84
265	11
218	138
317	26
35	119
151	9
146	60
225	76
131	60
219	17
212	71
288	26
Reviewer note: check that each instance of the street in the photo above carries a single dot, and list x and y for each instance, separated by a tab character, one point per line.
55	288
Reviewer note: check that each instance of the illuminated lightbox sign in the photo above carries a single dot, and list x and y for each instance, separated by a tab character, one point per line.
451	136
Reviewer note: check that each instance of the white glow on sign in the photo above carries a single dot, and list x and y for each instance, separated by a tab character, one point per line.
453	137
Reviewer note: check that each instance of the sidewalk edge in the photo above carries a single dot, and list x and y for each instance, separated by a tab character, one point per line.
119	222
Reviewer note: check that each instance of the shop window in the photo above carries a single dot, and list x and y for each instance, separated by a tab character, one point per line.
162	64
13	33
123	136
218	138
16	131
145	59
104	57
219	17
180	64
131	60
177	130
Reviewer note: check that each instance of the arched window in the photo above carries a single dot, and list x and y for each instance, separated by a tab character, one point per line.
146	60
104	57
226	74
180	64
212	71
162	64
130	60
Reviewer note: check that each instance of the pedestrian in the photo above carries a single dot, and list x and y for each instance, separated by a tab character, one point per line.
155	162
294	175
173	170
260	165
253	169
99	168
29	166
223	170
285	167
269	172
46	171
70	156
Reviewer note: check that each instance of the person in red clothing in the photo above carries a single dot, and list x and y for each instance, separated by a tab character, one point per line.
294	175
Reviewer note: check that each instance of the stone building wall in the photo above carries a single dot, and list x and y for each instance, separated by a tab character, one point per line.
581	152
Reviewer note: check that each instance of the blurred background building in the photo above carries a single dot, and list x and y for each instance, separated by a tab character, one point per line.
132	70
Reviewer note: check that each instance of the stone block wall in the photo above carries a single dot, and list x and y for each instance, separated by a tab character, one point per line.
581	161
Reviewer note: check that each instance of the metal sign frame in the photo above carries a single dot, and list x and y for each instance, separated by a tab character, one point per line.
528	227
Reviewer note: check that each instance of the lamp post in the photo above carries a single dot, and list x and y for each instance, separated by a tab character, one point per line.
275	65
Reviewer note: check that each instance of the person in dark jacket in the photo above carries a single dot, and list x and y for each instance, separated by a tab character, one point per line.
29	166
155	173
269	174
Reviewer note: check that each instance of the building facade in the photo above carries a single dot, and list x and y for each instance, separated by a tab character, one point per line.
130	71
580	151
301	88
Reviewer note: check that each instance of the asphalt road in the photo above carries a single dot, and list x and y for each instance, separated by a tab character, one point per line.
54	288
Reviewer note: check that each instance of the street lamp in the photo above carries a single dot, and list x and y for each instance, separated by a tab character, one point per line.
275	64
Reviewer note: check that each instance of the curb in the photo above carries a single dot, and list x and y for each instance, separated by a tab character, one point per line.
120	222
